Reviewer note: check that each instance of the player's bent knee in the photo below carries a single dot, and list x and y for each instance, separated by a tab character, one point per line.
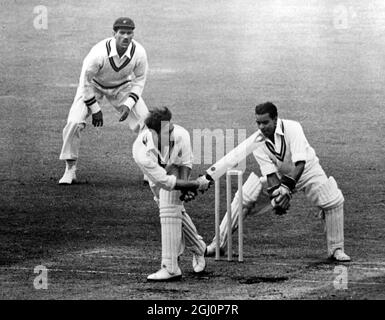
328	195
251	189
81	126
169	204
74	126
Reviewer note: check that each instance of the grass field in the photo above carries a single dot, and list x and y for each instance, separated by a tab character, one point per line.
210	62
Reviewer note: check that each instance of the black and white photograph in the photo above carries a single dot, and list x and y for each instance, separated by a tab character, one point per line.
217	152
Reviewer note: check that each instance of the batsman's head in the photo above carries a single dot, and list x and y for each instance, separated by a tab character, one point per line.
123	31
266	116
159	121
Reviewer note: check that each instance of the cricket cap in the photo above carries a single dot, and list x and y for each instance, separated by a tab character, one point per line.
123	23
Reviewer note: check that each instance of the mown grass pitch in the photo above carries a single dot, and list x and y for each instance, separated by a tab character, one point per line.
210	63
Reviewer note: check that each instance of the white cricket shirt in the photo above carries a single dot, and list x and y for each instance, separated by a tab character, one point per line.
105	70
290	146
152	161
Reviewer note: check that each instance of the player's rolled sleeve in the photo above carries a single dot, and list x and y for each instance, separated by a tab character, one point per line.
156	173
266	165
298	143
140	72
91	66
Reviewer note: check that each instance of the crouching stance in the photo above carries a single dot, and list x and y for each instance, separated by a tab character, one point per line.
113	73
162	151
289	164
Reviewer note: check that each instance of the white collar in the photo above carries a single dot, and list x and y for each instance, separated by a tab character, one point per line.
114	51
279	129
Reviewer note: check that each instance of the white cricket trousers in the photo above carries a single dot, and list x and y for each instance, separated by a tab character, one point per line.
79	112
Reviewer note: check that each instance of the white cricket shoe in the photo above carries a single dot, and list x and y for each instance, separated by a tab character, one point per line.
164	275
210	250
198	263
340	255
69	177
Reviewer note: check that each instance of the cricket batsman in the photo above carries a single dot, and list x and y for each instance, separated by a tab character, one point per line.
163	152
113	73
288	165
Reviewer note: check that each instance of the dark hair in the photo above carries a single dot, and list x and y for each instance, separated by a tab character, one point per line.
267	107
156	116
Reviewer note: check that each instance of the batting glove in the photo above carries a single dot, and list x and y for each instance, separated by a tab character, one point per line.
205	181
188	196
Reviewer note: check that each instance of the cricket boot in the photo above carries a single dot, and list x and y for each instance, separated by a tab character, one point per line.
69	175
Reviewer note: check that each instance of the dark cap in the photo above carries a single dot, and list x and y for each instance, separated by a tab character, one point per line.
123	23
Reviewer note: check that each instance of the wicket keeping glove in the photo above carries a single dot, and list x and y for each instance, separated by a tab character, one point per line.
280	202
282	195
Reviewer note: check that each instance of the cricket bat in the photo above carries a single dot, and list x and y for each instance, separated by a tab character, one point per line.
235	156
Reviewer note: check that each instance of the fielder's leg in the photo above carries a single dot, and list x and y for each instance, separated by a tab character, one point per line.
251	190
76	122
137	115
330	199
170	208
194	242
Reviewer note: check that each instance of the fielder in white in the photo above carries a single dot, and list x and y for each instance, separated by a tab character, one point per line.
288	164
113	73
162	151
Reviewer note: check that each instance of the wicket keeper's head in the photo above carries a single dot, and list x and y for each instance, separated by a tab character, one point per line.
266	116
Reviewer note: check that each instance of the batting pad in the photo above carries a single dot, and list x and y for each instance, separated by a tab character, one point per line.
169	199
170	210
327	195
334	224
194	241
251	189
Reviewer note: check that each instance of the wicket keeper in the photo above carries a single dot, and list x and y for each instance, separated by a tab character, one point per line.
288	165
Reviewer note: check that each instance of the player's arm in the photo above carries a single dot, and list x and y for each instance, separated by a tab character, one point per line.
140	72
274	188
298	145
181	172
296	173
158	175
185	172
282	194
91	66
